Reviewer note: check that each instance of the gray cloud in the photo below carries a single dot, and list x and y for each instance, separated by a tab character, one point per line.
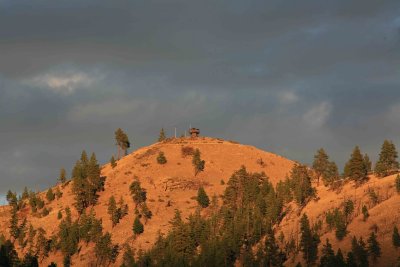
288	77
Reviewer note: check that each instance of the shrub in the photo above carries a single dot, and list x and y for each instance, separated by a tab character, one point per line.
202	198
365	213
50	196
161	159
373	196
138	227
187	151
398	184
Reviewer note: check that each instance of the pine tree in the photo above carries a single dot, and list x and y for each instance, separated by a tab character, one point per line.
12	199
162	135
197	162
356	168
161	159
25	193
365	213
14	230
63	176
309	241
122	141
105	251
373	247
320	164
138	227
50	195
112	211
396	237
348	209
367	162
146	212
340	262
138	193
42	246
328	258
113	162
202	198
359	251
272	255
301	183
397	184
387	159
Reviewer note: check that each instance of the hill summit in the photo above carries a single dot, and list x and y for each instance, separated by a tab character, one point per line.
169	186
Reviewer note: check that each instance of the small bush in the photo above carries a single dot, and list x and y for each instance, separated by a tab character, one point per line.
222	182
161	159
202	198
59	215
187	151
365	213
398	184
373	196
50	195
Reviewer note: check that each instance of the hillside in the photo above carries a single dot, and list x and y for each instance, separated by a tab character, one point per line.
170	186
384	214
174	185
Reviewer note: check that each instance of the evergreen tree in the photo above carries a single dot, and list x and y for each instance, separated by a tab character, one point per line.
367	162
138	193
146	212
348	209
202	198
387	159
42	246
197	162
359	251
12	199
86	182
340	262
112	211
309	241
397	184
272	255
14	229
328	258
122	141
59	215
320	163
105	251
162	136
396	237
373	247
365	212
25	193
63	176
161	159
301	183
113	162
50	195
355	168
138	227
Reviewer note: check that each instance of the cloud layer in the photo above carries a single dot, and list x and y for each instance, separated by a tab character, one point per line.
286	77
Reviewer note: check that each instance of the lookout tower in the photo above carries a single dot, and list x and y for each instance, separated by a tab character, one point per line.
194	132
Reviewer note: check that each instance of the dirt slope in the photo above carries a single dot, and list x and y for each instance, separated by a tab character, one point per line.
173	182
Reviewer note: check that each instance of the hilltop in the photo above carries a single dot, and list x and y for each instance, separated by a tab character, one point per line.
249	200
169	187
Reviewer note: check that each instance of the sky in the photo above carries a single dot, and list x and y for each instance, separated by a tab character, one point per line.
285	76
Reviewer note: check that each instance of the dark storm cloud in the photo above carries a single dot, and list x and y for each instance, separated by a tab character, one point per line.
287	76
